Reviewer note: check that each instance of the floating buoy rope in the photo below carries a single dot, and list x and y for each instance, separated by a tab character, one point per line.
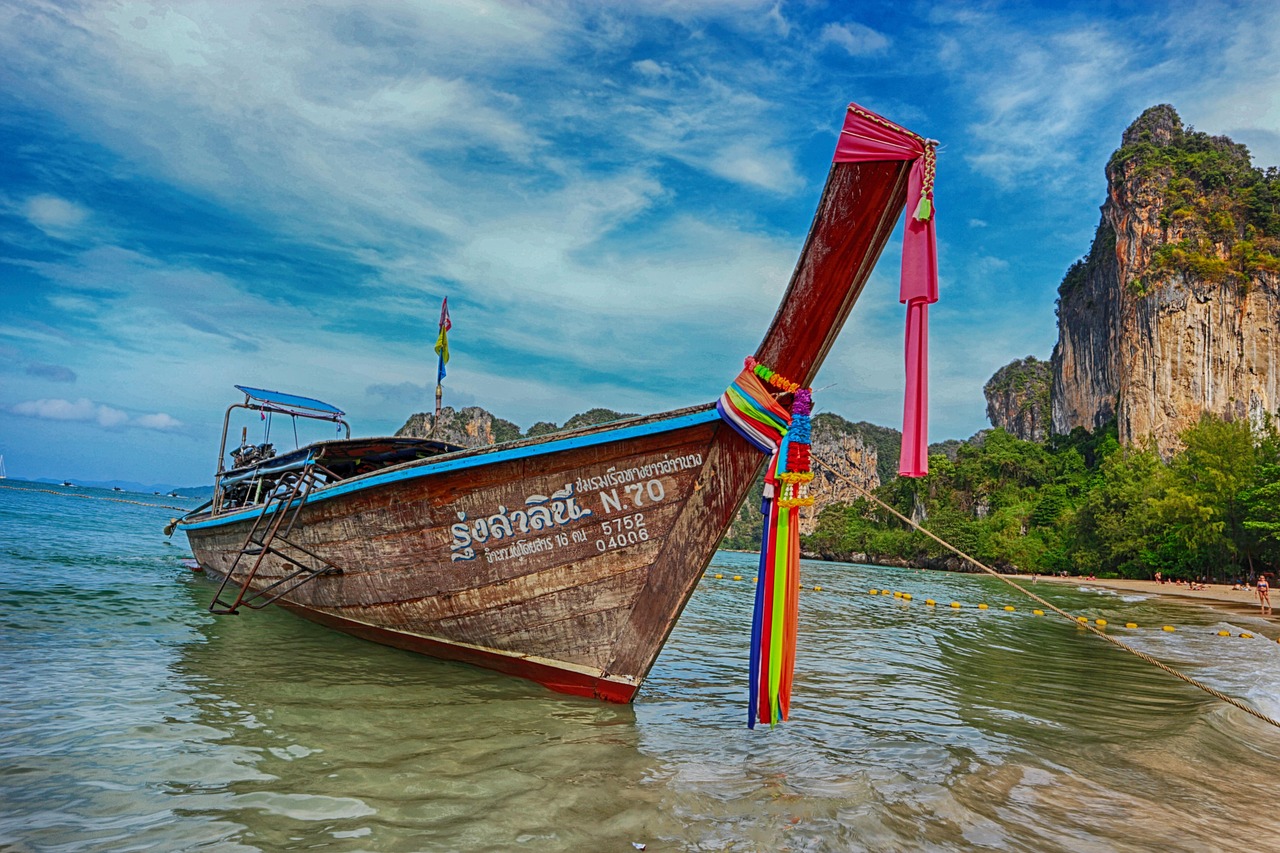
93	497
906	597
1083	623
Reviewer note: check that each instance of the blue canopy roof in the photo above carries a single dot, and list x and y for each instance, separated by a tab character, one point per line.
290	404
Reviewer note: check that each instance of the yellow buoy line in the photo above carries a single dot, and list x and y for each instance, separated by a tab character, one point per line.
92	497
1097	631
1008	608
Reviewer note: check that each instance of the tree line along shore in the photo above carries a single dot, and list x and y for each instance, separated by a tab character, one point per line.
1078	503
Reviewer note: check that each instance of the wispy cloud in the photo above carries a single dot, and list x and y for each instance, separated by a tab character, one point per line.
86	410
854	38
68	410
52	372
55	216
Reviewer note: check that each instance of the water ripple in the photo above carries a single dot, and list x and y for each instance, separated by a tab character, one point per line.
134	720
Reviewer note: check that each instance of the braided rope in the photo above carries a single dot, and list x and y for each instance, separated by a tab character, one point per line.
1217	694
93	497
884	122
930	146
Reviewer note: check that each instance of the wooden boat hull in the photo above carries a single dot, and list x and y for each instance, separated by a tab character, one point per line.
566	559
566	562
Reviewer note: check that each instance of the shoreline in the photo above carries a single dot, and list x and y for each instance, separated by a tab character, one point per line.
1214	595
1220	596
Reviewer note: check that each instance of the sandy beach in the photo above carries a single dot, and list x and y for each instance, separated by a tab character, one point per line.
1218	595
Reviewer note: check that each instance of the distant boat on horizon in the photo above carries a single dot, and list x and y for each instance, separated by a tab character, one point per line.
1	467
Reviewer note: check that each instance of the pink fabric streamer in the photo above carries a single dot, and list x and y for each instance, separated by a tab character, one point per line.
866	137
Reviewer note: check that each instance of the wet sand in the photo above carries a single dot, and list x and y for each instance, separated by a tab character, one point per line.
1217	595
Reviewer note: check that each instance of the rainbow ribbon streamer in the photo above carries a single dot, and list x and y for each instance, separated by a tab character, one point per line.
752	410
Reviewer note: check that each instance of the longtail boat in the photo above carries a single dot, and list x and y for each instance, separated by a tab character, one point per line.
565	559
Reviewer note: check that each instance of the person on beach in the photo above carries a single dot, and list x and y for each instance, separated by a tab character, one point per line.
1264	594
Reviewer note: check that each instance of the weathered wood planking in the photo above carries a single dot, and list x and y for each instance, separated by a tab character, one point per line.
566	601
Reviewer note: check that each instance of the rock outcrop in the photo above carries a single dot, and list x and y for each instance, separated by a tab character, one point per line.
477	427
1018	398
1175	311
842	445
469	427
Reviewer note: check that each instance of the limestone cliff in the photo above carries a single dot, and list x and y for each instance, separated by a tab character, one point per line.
843	445
1175	310
477	427
469	427
1018	398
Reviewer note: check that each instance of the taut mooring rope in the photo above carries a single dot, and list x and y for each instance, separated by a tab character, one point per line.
1217	694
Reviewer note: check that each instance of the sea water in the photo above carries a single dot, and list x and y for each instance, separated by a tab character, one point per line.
132	719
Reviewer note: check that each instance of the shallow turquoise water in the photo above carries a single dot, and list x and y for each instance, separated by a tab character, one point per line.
132	719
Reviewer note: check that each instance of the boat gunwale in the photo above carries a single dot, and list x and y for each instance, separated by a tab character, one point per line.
589	436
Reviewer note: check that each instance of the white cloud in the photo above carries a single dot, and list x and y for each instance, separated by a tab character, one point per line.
58	410
159	420
986	265
55	216
856	39
69	410
109	417
649	68
87	411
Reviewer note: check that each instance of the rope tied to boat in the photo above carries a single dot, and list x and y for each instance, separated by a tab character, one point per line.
1141	655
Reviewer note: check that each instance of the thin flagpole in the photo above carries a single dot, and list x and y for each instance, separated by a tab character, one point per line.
442	350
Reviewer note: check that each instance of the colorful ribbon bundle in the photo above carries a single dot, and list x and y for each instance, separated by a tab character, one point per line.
750	408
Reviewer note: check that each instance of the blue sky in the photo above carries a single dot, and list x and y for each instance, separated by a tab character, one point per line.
612	196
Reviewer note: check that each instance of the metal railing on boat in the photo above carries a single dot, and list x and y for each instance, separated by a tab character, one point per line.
269	535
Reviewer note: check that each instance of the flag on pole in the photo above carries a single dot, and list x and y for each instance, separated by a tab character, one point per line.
442	342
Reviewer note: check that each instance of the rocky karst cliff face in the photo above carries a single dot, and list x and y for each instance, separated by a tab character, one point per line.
1018	398
1175	310
469	427
477	427
841	444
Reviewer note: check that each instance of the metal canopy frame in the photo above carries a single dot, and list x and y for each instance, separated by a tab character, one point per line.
276	402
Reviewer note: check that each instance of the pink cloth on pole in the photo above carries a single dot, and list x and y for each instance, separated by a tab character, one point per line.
914	459
866	137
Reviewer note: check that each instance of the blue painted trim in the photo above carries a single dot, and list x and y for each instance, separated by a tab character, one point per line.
429	468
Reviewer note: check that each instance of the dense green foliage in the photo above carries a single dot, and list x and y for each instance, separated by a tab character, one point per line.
1101	251
1084	505
591	417
505	430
